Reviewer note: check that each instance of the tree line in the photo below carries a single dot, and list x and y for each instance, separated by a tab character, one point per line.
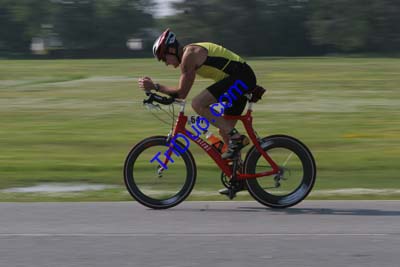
251	27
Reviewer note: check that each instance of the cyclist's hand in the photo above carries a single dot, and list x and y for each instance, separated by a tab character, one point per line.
146	83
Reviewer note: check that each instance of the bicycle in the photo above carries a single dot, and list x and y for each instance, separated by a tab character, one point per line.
279	171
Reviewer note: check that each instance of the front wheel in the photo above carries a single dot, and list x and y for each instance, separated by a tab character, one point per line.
295	179
152	185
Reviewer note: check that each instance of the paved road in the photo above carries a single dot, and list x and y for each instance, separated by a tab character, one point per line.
245	234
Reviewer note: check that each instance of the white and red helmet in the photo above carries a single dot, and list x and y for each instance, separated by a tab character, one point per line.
164	41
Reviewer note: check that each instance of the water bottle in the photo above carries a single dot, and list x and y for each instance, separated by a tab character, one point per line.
216	142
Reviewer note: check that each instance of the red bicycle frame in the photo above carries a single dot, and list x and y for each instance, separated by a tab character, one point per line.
247	121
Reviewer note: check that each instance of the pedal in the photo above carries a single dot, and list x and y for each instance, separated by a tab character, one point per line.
231	193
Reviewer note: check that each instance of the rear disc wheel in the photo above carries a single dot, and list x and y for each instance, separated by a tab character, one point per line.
296	177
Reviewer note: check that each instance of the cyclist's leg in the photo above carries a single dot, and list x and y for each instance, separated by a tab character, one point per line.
236	140
244	74
227	90
201	104
224	135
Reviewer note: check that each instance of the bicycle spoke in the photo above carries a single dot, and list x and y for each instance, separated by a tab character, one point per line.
287	160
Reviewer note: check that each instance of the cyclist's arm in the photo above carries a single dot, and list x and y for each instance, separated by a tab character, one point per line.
185	83
188	75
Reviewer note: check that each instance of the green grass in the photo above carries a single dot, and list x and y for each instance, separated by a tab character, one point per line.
75	121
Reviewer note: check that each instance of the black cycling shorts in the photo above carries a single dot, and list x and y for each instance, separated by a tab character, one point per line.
228	86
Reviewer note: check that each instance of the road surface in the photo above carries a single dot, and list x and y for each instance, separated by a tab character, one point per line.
245	234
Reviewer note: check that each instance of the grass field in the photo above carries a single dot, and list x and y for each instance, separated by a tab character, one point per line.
75	120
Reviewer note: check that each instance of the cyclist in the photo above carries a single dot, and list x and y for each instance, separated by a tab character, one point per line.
212	61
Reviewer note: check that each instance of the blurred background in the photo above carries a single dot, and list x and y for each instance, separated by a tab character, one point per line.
70	109
127	28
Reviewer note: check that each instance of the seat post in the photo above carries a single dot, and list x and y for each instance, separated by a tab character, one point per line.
250	107
249	96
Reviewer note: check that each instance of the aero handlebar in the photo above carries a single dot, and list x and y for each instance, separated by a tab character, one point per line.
159	99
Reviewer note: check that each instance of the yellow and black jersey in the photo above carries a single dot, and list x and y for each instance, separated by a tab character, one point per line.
220	62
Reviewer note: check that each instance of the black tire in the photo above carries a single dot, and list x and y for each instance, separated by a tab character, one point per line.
296	187
145	185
